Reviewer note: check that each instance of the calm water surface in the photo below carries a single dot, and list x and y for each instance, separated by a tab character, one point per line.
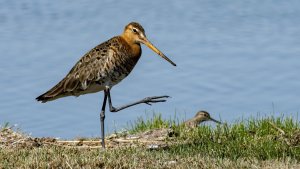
235	59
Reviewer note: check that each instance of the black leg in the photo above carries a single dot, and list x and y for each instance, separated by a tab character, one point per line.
102	117
147	100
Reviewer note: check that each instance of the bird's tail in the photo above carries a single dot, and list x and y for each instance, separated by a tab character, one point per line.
52	94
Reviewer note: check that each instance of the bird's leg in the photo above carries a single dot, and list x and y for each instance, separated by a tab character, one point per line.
102	117
147	100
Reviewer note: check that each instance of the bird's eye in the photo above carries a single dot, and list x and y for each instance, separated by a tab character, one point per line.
134	30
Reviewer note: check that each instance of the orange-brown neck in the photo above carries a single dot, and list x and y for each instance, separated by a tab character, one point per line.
134	46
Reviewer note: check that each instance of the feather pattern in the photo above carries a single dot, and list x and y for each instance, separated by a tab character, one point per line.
105	65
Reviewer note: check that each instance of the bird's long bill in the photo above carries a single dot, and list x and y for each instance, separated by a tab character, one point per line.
216	121
151	46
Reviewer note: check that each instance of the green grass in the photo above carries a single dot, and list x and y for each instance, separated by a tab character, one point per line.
154	122
254	143
253	138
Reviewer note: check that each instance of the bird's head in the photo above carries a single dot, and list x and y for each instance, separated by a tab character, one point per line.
205	116
135	33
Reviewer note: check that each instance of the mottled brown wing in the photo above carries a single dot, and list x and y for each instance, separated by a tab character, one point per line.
84	72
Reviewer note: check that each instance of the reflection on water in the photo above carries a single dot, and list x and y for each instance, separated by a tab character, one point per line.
235	60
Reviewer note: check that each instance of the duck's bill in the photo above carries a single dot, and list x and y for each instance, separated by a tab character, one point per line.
151	46
216	121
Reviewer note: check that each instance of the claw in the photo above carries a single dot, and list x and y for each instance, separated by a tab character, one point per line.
159	97
155	99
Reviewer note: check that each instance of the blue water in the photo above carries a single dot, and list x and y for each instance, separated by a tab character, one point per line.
236	59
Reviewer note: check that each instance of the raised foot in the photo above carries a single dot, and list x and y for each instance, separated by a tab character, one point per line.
147	100
154	99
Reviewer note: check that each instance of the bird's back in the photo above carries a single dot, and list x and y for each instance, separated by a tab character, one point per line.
105	65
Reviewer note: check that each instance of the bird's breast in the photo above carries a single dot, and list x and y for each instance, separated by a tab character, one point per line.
122	58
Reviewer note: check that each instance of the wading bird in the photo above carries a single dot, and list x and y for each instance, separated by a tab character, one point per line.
200	116
105	66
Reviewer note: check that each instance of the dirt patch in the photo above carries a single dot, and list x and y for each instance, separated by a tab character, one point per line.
151	139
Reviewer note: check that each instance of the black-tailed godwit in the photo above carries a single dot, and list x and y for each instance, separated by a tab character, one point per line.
105	66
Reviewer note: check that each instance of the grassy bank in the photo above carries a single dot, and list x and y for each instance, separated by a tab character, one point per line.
253	143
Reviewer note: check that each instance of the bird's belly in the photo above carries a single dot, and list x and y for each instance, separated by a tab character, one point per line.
102	84
93	88
107	80
112	79
115	74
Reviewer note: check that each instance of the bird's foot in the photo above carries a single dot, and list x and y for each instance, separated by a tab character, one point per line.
154	99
